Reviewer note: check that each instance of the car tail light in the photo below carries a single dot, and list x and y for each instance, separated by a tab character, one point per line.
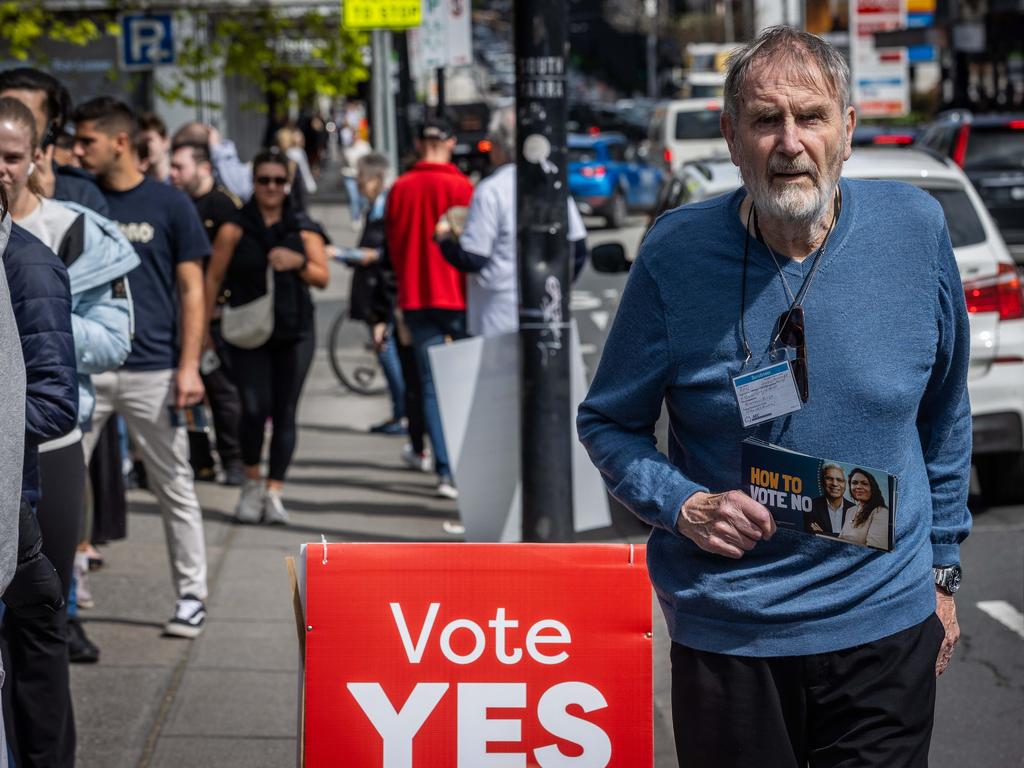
893	138
1017	125
713	106
667	157
1000	293
960	148
594	130
484	146
594	171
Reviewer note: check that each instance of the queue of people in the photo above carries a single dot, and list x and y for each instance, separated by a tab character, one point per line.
125	248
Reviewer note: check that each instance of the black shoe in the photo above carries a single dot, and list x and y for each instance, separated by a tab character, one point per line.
81	650
234	475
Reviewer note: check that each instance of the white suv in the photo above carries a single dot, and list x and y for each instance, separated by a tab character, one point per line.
992	287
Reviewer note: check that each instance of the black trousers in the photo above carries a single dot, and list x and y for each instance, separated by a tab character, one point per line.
413	395
222	395
862	707
38	677
269	380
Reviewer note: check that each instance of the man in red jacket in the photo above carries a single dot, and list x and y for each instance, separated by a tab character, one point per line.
431	292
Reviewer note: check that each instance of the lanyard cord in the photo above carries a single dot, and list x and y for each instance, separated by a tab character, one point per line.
799	298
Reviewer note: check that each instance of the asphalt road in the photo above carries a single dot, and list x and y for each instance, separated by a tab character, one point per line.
980	706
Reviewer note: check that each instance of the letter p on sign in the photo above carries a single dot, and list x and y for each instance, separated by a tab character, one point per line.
477	656
146	40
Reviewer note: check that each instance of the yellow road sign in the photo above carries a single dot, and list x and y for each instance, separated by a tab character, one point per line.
382	14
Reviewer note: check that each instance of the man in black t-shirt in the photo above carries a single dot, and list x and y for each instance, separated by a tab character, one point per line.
192	173
161	375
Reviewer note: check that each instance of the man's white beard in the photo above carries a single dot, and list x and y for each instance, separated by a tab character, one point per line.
794	202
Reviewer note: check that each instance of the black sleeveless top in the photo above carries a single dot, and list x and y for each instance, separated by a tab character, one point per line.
246	276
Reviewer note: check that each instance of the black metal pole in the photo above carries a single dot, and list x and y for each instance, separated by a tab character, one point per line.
442	105
541	45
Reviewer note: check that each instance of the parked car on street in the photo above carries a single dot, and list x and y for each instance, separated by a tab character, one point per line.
990	149
992	288
686	129
608	178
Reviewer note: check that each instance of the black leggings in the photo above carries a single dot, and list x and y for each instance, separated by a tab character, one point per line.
38	682
269	381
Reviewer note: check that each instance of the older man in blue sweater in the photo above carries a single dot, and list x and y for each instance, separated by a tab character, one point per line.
790	649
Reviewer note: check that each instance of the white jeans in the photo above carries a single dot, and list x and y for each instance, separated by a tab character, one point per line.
144	398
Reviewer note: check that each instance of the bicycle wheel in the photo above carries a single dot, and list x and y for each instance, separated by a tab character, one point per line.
353	358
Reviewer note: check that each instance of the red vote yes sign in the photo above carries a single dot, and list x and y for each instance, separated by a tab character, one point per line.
478	656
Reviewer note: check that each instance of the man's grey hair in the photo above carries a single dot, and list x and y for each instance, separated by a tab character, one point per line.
374	164
502	131
825	468
809	54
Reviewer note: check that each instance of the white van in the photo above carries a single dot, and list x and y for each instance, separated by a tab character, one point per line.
687	129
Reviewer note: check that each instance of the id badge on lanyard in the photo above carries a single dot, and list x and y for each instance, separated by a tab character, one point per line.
767	393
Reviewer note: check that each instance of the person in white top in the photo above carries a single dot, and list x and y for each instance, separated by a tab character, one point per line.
867	522
486	247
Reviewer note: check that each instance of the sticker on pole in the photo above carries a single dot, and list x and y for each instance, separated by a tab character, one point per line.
475	655
382	14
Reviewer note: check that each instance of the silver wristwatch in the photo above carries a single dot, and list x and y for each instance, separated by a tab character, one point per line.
947	578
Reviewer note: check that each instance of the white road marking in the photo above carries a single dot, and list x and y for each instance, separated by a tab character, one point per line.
584	300
588	349
600	319
610	293
1005	614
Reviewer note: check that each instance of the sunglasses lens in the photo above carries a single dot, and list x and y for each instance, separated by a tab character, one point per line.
268	180
790	332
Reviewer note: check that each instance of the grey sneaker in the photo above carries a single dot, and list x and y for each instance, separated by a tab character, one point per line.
418	461
274	512
189	618
250	502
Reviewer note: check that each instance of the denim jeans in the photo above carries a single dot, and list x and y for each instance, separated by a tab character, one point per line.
392	368
428	328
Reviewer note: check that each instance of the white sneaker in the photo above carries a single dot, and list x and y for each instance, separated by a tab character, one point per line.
83	594
454	527
418	461
274	512
446	488
250	502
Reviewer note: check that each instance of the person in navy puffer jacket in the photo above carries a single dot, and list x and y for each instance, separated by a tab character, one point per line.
41	298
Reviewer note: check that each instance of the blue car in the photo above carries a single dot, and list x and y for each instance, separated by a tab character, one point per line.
607	178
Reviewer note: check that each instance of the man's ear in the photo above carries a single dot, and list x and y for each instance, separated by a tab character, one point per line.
728	129
849	124
123	142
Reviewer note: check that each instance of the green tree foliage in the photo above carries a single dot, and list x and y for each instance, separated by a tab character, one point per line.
280	49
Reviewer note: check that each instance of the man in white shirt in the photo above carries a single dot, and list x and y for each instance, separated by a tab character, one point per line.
486	248
828	512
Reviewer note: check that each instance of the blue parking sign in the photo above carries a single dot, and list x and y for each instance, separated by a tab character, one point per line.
147	40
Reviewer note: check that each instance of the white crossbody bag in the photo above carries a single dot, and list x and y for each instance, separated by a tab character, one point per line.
250	325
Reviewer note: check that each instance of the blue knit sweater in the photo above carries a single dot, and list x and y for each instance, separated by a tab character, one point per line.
888	345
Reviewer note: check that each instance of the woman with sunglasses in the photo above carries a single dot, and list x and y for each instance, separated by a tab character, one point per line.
270	377
867	522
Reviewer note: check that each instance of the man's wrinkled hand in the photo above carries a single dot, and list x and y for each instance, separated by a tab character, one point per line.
188	387
728	524
945	608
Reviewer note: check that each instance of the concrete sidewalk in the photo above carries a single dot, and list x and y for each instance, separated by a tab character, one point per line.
229	698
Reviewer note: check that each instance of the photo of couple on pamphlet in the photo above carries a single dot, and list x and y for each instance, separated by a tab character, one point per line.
853	506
